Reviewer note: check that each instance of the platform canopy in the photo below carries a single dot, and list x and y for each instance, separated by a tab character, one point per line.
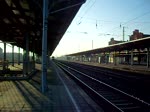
135	44
23	18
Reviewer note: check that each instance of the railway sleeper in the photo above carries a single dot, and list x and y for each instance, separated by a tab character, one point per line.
127	105
111	96
123	104
133	108
115	98
119	101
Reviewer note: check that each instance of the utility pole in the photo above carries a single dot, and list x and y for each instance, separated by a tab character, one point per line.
123	33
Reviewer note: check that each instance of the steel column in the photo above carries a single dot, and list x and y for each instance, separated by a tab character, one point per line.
26	56
33	61
131	57
18	55
4	56
44	45
128	57
12	55
148	57
33	55
109	57
119	58
114	58
139	57
109	60
24	63
27	53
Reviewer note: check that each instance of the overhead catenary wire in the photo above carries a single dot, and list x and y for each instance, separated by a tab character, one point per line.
79	22
129	21
123	23
97	22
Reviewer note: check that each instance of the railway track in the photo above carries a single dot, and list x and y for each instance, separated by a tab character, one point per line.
110	98
132	83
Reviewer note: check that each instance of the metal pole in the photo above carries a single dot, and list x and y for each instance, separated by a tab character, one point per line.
131	57
33	61
109	57
4	56
27	53
148	57
18	55
24	64
12	55
25	56
114	56
44	45
123	33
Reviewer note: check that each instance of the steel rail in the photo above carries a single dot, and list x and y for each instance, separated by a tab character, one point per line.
134	100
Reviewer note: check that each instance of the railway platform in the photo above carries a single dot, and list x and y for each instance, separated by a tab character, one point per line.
62	95
124	67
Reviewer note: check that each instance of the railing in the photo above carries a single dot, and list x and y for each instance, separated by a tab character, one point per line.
4	64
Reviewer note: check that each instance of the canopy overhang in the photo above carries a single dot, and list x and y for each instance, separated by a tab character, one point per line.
23	18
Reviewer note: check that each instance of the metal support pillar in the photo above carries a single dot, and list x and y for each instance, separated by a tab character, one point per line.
26	56
131	57
114	58
18	55
33	56
33	60
27	53
24	62
108	57
82	58
48	59
139	57
148	57
4	59
128	57
119	58
105	57
100	56
44	45
12	55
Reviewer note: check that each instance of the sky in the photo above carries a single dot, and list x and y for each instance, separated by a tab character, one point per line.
98	21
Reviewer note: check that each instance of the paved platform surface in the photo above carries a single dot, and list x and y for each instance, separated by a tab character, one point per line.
63	95
21	96
135	68
16	67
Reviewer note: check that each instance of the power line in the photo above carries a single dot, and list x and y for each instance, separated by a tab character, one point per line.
131	20
108	21
79	22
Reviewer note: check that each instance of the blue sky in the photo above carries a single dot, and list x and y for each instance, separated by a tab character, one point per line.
99	20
